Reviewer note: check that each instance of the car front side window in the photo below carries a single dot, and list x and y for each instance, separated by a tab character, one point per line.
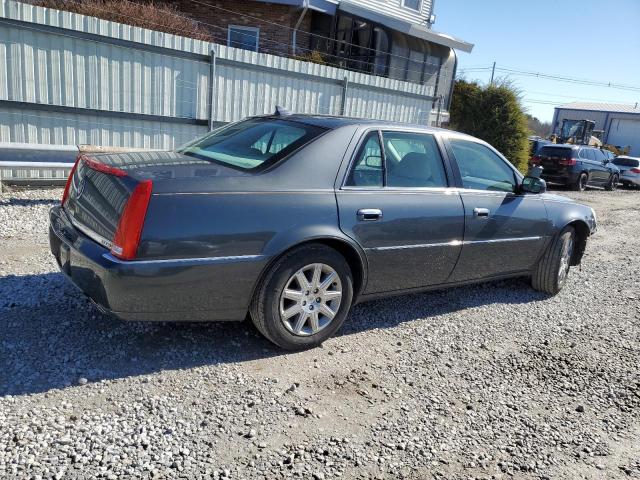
480	168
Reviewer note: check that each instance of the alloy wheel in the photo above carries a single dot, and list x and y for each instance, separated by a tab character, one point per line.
310	299
565	260
583	182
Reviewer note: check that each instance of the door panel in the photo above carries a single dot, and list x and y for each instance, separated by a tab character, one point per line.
397	205
415	243
504	231
509	239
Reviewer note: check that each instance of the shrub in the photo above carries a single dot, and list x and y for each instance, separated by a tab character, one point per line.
154	16
493	114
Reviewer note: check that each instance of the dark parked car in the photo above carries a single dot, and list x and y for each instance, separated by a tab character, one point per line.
576	166
292	219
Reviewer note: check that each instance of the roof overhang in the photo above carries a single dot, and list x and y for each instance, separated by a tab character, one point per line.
323	6
404	26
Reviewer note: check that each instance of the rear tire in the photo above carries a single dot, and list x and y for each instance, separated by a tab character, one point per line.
581	183
293	304
552	270
613	183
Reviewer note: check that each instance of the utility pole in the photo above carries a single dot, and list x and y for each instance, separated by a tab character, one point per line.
493	71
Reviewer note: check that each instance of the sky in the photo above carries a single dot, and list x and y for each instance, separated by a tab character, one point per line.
585	39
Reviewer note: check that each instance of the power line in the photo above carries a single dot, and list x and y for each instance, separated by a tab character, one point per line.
561	78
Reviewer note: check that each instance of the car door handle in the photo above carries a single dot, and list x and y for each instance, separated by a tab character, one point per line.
369	214
481	212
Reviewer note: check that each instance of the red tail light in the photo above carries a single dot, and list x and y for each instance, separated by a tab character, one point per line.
635	170
567	161
67	186
127	236
535	160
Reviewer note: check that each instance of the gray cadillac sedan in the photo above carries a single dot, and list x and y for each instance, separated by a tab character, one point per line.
291	219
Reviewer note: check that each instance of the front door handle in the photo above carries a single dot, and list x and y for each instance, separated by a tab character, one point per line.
369	214
481	212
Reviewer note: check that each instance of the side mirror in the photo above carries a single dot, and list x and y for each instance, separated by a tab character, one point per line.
373	161
533	185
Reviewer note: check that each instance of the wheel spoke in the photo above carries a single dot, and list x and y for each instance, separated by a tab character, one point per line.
328	281
300	323
302	280
294	295
326	311
317	273
315	324
291	311
331	295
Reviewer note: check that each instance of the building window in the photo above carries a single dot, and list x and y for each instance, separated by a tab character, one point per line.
412	4
243	37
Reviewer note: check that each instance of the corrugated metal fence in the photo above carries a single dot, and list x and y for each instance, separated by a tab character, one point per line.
70	79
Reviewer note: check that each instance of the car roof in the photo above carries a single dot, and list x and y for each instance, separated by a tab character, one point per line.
333	122
563	145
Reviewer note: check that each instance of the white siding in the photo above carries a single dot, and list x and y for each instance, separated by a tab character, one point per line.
395	8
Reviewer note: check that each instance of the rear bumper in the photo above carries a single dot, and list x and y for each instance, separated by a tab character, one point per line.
565	178
200	289
631	179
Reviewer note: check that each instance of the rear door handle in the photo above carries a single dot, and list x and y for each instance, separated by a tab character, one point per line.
481	212
369	214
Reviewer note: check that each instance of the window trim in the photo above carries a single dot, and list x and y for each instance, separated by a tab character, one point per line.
444	158
417	10
246	29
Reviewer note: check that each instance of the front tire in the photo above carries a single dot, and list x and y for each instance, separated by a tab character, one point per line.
613	183
304	298
552	270
581	183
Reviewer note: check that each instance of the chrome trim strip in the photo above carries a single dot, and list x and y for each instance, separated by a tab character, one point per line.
90	233
454	243
231	258
318	191
501	240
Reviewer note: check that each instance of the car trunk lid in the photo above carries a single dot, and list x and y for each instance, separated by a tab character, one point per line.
101	186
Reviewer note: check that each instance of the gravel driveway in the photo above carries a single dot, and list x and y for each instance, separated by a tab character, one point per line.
491	381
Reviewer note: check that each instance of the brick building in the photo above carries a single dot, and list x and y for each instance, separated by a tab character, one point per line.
391	38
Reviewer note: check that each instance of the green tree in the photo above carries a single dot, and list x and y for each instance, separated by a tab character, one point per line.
493	114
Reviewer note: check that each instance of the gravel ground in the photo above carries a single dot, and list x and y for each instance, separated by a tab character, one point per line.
492	381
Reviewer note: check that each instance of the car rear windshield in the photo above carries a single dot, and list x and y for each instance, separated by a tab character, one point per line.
555	152
253	144
626	162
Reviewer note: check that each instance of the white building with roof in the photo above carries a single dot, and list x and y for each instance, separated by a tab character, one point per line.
619	122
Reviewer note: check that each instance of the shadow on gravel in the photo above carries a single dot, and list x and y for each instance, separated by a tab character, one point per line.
51	336
28	202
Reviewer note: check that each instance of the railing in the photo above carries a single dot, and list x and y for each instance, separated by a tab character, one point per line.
41	165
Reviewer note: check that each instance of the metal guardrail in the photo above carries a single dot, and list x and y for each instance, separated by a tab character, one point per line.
31	164
44	165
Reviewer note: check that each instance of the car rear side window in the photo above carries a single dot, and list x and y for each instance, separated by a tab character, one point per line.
253	144
626	162
413	160
553	152
481	168
600	157
367	170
